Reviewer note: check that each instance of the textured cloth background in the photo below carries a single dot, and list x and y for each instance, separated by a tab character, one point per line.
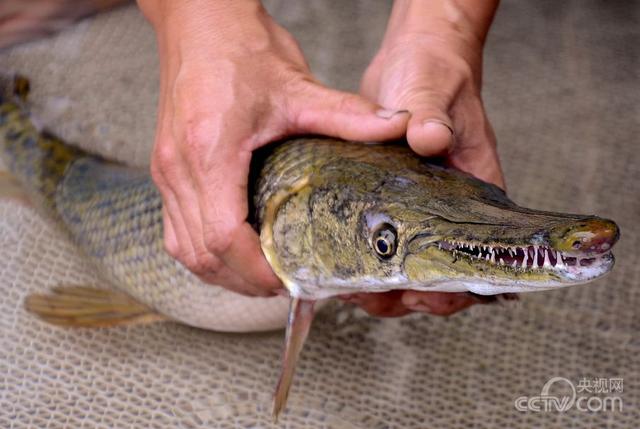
562	88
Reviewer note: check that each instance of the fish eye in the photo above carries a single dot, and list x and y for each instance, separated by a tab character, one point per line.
384	241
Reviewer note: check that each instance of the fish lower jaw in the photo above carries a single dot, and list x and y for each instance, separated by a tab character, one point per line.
531	258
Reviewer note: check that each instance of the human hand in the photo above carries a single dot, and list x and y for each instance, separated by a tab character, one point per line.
430	63
233	80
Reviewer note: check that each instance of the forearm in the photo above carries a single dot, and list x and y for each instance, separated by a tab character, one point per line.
470	19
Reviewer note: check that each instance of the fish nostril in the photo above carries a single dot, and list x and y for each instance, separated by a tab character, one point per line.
589	236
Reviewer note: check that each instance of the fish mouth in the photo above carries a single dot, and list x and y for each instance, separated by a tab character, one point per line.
494	259
538	259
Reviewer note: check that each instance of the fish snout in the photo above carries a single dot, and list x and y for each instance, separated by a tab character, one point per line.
591	236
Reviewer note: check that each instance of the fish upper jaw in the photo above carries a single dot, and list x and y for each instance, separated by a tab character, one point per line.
568	253
533	258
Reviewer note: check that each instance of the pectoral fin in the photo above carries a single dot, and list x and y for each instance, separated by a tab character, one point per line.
80	306
300	318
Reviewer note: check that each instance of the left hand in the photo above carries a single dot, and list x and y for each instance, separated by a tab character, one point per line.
430	63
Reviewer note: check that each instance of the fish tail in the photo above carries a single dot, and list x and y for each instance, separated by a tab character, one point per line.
37	159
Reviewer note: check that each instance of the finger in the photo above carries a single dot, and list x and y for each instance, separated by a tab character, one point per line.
171	243
319	110
385	304
230	280
430	130
437	303
245	256
477	153
221	195
179	242
222	276
210	267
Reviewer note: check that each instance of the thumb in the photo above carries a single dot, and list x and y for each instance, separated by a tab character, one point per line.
320	110
430	129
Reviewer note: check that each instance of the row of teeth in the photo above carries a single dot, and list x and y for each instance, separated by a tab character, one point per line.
516	257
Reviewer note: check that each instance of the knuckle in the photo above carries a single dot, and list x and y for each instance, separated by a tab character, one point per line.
202	263
198	134
349	102
219	237
196	265
172	248
464	72
294	81
163	160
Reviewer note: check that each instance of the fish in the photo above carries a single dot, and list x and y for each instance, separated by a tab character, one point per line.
334	218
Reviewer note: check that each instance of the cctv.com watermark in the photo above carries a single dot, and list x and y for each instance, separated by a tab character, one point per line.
560	394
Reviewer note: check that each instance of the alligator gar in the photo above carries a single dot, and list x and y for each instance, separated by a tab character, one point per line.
334	218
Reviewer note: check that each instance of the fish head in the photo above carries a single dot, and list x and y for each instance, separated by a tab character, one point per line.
366	223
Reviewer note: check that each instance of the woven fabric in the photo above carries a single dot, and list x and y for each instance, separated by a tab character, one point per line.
561	88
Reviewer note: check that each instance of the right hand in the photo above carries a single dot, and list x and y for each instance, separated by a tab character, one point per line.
232	80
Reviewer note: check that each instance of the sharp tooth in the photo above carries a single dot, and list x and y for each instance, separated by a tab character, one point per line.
487	257
559	261
547	262
493	257
501	261
526	258
515	264
510	251
535	256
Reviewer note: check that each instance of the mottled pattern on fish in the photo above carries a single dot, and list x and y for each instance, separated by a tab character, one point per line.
114	214
323	208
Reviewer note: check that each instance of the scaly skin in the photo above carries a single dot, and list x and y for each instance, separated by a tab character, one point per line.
322	206
342	193
114	214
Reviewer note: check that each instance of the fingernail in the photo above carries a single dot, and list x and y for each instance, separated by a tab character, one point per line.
420	307
437	122
389	113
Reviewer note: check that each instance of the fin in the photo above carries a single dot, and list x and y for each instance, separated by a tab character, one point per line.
81	306
300	318
10	188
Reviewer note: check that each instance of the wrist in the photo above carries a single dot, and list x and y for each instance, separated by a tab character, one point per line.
189	25
160	12
466	21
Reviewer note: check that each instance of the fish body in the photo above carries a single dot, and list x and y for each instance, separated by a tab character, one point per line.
334	218
113	213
